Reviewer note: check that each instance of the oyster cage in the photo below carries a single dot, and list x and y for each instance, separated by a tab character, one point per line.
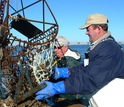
24	63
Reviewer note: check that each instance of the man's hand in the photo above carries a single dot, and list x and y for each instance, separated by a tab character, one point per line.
50	90
60	73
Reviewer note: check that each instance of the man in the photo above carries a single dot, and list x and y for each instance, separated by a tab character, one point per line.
104	65
65	57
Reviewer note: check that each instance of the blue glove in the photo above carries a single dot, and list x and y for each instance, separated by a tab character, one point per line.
50	90
60	73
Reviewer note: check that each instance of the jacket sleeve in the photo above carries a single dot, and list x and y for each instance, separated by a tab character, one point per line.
103	67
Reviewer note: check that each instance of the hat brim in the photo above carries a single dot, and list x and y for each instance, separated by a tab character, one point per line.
84	26
58	45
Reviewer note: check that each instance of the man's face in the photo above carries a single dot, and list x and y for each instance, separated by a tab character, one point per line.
60	51
92	33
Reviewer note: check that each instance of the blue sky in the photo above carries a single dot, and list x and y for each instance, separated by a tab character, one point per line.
71	14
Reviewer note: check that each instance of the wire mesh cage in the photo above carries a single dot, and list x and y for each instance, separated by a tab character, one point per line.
26	47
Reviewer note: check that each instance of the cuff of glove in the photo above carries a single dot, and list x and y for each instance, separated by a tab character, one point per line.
59	87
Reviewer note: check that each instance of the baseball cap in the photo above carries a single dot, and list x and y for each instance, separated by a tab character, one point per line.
95	19
61	41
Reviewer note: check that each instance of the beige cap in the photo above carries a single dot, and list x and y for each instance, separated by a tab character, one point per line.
61	41
95	19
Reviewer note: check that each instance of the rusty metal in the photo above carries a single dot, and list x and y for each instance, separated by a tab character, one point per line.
16	54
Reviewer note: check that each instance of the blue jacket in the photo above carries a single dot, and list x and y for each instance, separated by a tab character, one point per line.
106	62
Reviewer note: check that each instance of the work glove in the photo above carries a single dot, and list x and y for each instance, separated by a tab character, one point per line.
60	73
50	90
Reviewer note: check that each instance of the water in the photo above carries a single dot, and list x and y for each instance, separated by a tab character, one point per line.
82	49
122	45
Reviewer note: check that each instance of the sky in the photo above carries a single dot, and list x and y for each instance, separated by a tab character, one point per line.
71	15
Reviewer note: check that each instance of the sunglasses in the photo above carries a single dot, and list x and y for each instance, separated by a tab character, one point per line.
58	47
